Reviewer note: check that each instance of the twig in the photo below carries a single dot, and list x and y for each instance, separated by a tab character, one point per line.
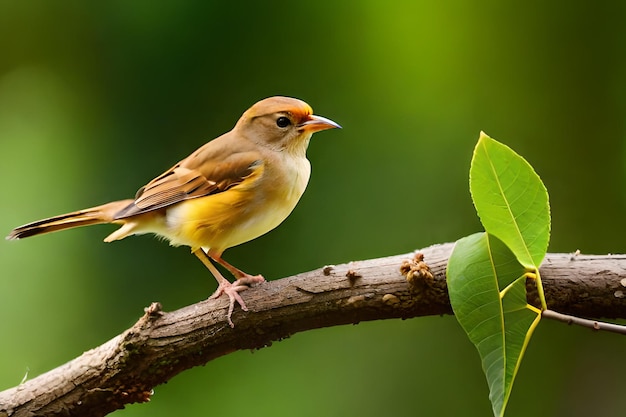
592	324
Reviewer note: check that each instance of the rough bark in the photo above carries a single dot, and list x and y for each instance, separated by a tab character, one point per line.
162	344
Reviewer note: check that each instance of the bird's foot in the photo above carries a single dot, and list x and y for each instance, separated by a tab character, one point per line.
233	290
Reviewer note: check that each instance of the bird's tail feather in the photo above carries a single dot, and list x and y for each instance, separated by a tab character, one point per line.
95	215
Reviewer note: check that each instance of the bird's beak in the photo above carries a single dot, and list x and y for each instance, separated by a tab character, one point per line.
316	123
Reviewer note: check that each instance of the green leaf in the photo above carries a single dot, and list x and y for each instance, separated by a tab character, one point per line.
511	200
487	271
487	288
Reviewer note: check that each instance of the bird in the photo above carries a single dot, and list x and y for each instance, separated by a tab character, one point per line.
231	190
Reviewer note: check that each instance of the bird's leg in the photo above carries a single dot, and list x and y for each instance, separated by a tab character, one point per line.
224	286
242	277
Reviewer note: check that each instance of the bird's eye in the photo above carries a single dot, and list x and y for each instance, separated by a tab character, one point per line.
283	122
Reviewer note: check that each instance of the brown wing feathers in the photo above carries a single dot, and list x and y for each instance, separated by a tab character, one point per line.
178	185
186	180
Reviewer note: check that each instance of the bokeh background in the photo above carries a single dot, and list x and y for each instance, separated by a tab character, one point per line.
97	98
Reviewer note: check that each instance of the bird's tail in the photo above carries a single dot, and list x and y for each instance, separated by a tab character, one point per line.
95	215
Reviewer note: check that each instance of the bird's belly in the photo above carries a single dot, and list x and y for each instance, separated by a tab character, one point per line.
227	219
256	224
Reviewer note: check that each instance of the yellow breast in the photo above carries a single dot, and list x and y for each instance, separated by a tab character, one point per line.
242	213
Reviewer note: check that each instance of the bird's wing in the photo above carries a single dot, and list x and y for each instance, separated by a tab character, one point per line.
199	175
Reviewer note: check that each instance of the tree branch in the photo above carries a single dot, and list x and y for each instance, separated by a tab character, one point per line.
160	345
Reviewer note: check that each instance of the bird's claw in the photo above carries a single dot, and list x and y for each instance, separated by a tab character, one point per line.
233	290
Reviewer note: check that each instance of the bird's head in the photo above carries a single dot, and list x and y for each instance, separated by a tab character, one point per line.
283	124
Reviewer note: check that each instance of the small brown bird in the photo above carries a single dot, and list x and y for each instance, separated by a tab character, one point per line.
233	189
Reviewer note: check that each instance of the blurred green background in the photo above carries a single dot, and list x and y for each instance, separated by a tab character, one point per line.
97	98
